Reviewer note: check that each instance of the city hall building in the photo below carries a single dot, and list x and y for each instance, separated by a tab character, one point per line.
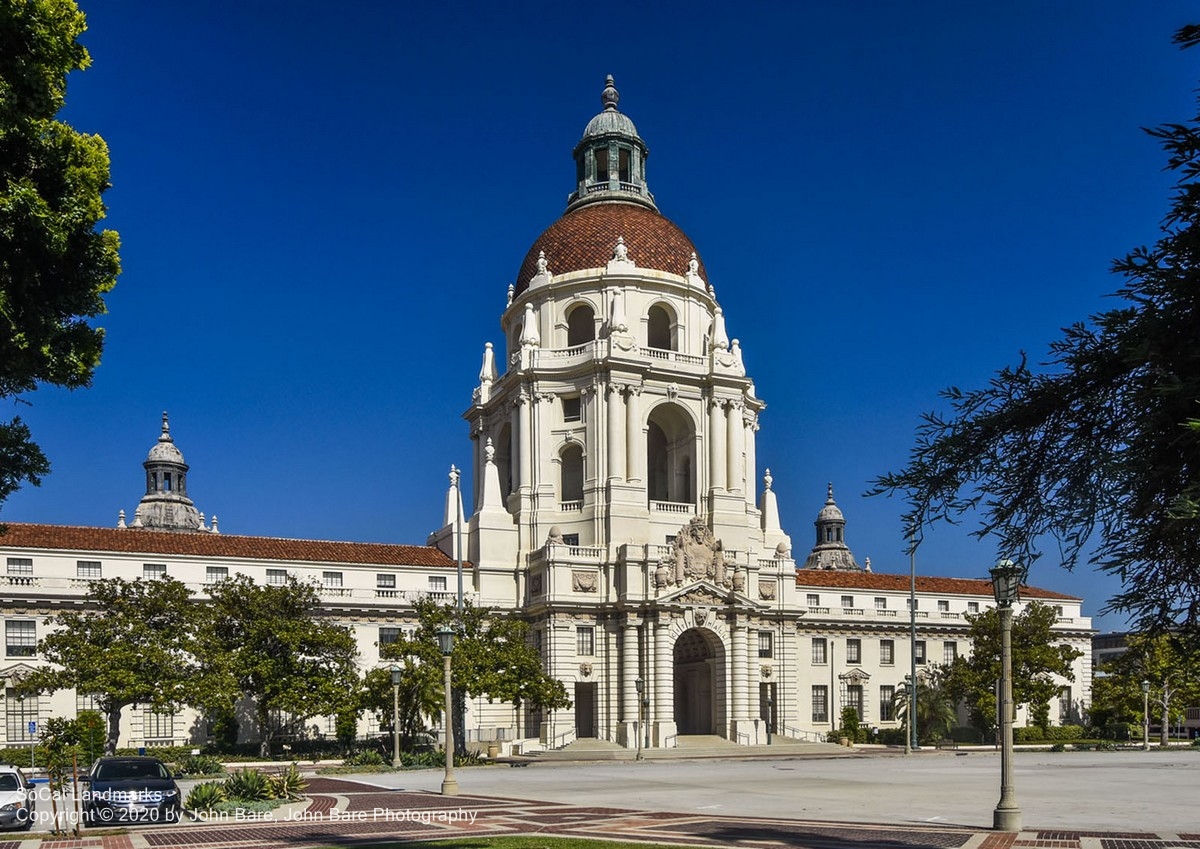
616	506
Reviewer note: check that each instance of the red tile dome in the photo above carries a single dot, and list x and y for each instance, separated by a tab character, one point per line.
584	238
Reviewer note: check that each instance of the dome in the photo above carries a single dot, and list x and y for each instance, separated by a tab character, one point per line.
584	238
610	121
164	452
830	512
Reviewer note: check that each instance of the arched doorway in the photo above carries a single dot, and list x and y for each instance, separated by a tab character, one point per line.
670	443
699	682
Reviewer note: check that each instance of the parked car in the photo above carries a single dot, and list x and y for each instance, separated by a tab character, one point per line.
17	798
126	789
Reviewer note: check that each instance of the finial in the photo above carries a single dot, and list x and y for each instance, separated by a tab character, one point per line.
829	497
610	96
202	523
767	480
121	519
489	451
454	475
542	265
511	291
620	252
867	565
165	436
215	530
693	264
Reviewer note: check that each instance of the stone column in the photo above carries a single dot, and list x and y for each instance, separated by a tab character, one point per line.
664	681
738	633
716	446
629	672
524	440
751	459
616	457
635	446
735	431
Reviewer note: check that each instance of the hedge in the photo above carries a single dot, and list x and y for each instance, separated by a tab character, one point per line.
1053	734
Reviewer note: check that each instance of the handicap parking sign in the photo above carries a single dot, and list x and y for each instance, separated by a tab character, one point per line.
33	728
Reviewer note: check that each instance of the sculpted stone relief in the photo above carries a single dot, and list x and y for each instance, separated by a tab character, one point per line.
696	555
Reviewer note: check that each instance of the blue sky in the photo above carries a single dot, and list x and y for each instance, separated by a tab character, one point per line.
321	206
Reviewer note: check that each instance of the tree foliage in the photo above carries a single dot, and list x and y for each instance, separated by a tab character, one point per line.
1098	449
54	264
131	644
493	659
934	706
1167	662
1039	663
269	643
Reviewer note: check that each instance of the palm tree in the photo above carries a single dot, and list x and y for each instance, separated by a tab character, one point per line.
935	709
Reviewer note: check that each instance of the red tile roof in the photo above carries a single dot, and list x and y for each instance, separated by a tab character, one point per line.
882	581
585	237
134	541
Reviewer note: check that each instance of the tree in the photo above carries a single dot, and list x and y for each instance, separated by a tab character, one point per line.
1039	663
1167	663
269	643
934	709
492	659
1098	450
131	644
54	265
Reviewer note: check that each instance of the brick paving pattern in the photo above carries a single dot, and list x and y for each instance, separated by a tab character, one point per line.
344	813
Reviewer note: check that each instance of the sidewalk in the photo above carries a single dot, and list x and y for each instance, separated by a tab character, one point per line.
343	812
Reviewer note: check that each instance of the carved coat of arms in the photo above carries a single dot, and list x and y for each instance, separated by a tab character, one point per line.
696	555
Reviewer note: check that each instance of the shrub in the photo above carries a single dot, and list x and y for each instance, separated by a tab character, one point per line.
1031	734
287	784
1059	747
367	757
248	784
892	736
968	734
201	765
206	796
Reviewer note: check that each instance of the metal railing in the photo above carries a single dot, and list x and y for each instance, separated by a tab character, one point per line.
802	734
567	737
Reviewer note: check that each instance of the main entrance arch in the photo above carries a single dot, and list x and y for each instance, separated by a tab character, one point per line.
699	682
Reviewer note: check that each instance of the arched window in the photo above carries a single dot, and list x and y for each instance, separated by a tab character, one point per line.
670	444
581	326
571	483
602	165
504	460
623	165
659	332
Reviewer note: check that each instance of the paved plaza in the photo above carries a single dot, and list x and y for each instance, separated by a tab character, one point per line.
940	800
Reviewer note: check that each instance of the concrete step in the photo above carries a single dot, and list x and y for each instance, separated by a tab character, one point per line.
707	747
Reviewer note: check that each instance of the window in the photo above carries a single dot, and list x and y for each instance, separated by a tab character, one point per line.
19	711
585	640
154	571
880	603
972	607
602	165
949	651
388	634
537	641
919	651
331	580
943	606
158	726
437	583
887	652
571	539
20	566
623	165
854	699
581	327
86	701
814	600
571	472
20	638
276	577
658	329
820	703
1064	705
854	651
819	653
887	711
213	574
88	569
847	601
766	644
571	409
913	603
385	581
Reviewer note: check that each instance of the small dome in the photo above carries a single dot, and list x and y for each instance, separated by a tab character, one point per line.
610	120
584	238
830	512
164	451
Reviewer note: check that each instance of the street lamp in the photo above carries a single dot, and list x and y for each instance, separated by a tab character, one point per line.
908	715
1145	716
1007	578
637	731
770	713
395	670
445	637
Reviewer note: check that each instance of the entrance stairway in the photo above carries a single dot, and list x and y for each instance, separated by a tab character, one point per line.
690	746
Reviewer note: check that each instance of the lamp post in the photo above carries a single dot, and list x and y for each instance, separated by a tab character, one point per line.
445	636
908	715
910	744
395	670
770	713
637	731
1006	586
1145	716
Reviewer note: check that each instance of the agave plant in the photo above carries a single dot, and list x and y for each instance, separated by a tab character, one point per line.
288	784
206	796
248	784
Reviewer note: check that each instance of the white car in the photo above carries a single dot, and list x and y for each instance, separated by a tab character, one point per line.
16	798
